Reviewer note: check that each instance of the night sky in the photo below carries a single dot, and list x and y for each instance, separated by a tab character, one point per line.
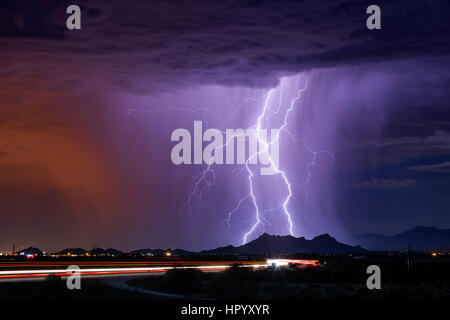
86	117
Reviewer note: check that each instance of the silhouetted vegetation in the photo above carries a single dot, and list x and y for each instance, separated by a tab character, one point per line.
54	288
184	280
338	278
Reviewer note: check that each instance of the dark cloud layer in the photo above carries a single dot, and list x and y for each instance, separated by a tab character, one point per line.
75	163
443	167
385	183
226	42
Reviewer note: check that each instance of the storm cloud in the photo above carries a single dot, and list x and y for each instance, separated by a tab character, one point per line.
86	116
143	45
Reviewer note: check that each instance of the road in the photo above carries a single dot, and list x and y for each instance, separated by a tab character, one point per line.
38	270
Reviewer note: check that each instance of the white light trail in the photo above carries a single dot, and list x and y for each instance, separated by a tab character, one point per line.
44	272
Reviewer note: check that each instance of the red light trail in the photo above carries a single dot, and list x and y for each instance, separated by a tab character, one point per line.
29	270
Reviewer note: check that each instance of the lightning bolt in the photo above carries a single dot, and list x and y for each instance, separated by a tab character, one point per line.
207	177
265	150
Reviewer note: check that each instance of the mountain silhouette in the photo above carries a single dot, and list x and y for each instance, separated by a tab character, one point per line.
419	238
105	252
71	251
161	252
30	250
267	243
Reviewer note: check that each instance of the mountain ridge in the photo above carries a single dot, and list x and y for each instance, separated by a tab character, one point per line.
420	238
267	243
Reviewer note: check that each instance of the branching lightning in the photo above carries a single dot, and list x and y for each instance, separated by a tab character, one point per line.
207	177
265	149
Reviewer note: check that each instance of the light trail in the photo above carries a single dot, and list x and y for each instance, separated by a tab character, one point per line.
39	273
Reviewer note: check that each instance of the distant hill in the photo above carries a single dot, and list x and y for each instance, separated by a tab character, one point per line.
181	252
72	251
105	252
267	243
144	252
419	238
30	250
160	252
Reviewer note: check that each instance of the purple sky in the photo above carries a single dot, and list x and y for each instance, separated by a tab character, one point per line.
86	119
